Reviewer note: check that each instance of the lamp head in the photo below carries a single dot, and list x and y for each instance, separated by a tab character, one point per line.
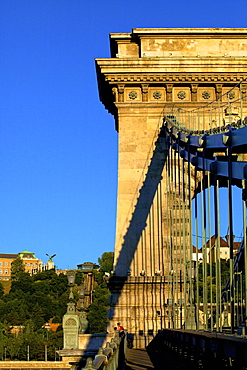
71	278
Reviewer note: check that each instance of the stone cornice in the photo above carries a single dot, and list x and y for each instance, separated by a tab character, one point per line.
220	65
174	77
188	31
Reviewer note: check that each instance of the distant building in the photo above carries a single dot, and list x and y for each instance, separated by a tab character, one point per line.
31	262
88	267
196	255
224	252
5	265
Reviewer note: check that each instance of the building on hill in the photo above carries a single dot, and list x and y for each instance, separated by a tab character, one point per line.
224	252
5	265
31	262
88	267
196	254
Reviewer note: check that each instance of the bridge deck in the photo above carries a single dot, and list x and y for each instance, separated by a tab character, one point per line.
138	359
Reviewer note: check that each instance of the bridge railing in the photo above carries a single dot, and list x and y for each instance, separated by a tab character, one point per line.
206	350
111	357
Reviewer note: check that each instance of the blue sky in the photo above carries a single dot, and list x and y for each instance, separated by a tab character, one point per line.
58	145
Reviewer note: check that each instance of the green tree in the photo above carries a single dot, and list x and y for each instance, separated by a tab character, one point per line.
79	277
17	268
211	280
106	262
1	290
13	345
23	282
97	313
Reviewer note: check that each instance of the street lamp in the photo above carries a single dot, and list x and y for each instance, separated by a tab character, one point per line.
71	282
83	322
71	278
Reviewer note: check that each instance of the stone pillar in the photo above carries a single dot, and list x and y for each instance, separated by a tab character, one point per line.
70	328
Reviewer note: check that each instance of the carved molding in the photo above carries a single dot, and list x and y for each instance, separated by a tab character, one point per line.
114	93
206	94
231	95
181	94
144	92
120	93
218	89
132	95
70	322
169	92
157	95
175	77
194	88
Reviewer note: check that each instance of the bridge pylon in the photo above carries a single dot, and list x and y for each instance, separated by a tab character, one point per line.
153	73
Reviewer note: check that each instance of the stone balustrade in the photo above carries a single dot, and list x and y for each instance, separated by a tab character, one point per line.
111	357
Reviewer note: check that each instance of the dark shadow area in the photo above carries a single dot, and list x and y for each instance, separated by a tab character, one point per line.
143	205
162	357
138	359
138	220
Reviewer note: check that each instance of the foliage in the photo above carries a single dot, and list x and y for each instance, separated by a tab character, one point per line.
31	302
1	290
106	262
17	268
35	300
97	313
79	277
211	279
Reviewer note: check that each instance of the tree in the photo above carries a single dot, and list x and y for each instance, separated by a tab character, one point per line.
97	313
23	282
1	290
211	281
106	262
17	268
13	345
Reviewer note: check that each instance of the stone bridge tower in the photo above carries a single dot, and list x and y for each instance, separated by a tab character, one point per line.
152	71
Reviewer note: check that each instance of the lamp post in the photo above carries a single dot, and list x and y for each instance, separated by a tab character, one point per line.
71	282
83	322
70	319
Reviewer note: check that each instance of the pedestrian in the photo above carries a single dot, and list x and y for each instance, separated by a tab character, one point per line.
120	329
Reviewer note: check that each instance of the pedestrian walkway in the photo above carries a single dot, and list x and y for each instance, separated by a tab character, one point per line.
138	359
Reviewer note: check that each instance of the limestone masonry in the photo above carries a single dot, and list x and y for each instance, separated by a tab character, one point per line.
152	71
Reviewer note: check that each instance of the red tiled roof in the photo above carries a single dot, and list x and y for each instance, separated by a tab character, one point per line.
223	243
236	245
54	327
194	249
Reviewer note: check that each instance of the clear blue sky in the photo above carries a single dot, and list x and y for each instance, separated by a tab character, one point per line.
58	146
